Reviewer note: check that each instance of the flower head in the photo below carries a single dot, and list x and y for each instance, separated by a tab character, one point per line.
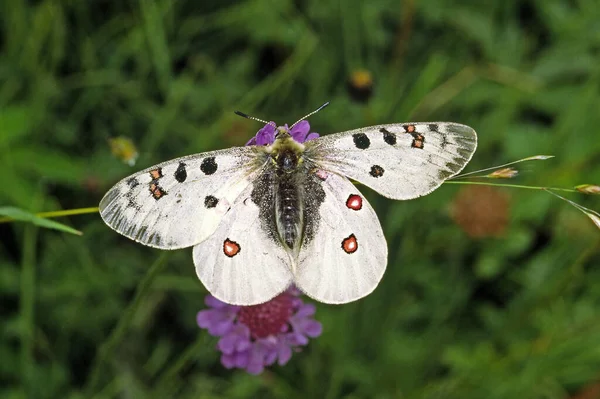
299	132
253	337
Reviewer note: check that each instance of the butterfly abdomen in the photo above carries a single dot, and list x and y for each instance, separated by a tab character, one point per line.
288	205
288	211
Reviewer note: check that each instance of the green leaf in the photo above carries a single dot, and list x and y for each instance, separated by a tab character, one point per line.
24	216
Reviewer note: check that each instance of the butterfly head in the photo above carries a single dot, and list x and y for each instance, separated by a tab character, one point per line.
282	132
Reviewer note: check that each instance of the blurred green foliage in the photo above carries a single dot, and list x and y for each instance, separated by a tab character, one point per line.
456	316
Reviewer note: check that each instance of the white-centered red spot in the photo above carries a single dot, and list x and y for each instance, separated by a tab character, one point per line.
354	202
156	174
231	248
349	244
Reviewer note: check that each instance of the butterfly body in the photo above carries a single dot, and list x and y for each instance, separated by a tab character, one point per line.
263	217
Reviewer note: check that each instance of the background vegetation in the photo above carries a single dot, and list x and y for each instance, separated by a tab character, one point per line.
490	293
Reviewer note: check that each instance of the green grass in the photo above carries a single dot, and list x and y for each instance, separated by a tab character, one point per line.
98	316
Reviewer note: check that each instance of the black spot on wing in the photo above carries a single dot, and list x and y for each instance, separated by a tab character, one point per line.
133	182
208	166
361	141
181	173
210	201
433	127
444	142
132	204
388	136
376	171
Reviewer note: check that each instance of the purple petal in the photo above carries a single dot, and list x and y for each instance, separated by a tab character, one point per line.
238	339
266	135
270	358
312	136
309	327
256	360
305	310
228	361
241	359
238	359
243	345
217	322
301	129
213	302
296	339
312	328
284	353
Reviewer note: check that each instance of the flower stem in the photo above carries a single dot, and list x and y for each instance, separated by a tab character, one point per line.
532	158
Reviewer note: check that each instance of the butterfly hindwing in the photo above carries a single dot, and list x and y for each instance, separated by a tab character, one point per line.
179	203
241	263
347	257
400	161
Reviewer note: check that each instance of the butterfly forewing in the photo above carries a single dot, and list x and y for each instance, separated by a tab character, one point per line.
179	203
400	161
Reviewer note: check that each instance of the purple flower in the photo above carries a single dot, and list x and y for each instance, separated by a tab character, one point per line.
253	337
300	132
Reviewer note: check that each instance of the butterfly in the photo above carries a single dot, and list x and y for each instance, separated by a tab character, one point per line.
263	217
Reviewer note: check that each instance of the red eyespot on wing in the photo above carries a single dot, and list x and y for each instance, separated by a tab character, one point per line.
354	202
156	174
349	244
231	248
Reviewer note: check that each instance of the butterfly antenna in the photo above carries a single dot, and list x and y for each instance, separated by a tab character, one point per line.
312	113
254	118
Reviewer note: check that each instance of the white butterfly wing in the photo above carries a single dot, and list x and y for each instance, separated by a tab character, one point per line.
400	161
179	203
240	263
347	257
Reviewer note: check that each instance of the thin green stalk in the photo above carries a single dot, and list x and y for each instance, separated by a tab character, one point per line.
124	323
167	377
27	307
532	158
482	183
55	214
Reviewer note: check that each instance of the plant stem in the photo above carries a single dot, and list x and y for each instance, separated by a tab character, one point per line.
481	183
55	214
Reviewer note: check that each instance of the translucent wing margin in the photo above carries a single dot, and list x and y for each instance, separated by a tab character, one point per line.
400	161
179	203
